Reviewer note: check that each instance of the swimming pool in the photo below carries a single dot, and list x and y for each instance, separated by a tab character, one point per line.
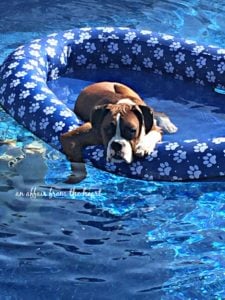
108	236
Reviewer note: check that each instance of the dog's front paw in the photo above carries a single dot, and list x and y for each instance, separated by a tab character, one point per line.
142	149
147	145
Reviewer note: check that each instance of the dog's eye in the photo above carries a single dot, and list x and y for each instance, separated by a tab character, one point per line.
129	133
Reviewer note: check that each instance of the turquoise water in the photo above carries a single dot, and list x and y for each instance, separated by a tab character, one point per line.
108	237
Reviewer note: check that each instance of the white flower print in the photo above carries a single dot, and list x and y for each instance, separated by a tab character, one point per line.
49	110
180	57
34	53
44	123
72	127
56	101
194	172
145	32
152	42
157	71
209	160
21	111
33	62
42	61
24	94
171	146
104	58
21	74
201	62
59	126
55	140
7	74
113	66
12	112
218	140
2	101
147	63
14	83
175	46
158	53
19	52
113	47
164	169
136	168
221	68
179	77
167	37
51	52
54	74
40	97
33	126
169	67
200	147
11	98
103	38
221	51
179	156
81	60
34	107
211	76
66	113
200	82
189	42
110	167
129	37
13	65
136	49
190	72
30	85
98	154
126	60
136	68
91	66
37	78
52	42
148	177
35	46
3	88
46	90
153	155
197	50
69	35
90	47
106	29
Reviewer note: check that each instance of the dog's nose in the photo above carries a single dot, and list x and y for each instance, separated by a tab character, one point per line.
116	146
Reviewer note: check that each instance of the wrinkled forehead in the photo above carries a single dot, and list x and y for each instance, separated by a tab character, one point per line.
127	117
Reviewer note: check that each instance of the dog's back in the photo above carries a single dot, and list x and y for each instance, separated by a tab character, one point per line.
101	93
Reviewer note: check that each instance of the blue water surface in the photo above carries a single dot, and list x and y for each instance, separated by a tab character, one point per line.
109	237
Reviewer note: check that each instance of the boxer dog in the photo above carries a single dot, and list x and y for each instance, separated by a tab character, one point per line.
118	118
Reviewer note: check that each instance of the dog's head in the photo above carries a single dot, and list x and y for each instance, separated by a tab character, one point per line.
122	126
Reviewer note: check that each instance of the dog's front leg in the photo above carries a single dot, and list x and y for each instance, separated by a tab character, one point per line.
73	143
148	143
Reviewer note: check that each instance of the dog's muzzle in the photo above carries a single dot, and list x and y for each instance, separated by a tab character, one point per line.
119	150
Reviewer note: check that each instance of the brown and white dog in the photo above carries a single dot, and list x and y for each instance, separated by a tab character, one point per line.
118	118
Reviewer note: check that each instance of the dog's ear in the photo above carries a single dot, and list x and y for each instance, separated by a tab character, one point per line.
98	114
147	113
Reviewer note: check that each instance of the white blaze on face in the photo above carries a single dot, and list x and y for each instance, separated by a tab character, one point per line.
126	149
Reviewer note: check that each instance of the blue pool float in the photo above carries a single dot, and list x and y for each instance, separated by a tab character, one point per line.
24	93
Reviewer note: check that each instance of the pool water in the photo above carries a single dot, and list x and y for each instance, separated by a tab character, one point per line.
109	237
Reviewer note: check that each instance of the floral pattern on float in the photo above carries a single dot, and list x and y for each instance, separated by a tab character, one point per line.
24	93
